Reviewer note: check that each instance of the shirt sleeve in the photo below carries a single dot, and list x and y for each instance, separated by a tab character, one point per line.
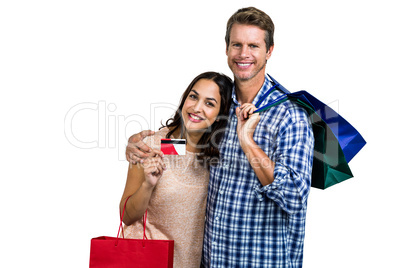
293	165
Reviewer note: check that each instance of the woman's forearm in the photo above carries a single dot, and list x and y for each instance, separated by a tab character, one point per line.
137	204
138	191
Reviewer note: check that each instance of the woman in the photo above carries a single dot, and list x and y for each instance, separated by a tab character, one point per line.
173	190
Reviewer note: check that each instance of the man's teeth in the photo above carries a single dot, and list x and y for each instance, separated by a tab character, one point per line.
244	64
195	117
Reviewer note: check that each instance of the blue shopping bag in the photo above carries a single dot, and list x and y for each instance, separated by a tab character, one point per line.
336	140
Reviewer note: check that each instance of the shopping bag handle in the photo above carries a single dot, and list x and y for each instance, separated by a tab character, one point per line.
144	219
272	103
267	94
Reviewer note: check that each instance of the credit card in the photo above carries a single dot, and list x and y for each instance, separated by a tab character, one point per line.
173	146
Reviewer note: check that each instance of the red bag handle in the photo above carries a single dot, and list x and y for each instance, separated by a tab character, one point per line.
144	219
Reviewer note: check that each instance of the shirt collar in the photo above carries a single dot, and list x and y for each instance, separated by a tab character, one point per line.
265	87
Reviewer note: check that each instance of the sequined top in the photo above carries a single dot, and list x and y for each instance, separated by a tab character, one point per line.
176	209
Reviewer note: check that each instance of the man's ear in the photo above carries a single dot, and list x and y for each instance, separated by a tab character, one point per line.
269	52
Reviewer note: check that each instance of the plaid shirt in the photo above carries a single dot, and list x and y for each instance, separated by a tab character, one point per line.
250	225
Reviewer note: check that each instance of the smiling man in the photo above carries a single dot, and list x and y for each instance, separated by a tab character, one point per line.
247	54
257	195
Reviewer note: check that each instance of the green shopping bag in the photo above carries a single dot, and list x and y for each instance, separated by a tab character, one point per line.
329	164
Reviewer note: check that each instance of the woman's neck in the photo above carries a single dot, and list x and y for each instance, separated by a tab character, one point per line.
192	139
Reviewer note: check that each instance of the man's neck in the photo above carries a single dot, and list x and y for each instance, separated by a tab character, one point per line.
247	90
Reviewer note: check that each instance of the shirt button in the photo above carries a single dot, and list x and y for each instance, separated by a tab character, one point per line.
221	192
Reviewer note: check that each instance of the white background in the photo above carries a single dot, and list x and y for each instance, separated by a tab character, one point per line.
76	74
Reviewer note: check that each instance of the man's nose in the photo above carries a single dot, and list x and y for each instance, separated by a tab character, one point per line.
245	52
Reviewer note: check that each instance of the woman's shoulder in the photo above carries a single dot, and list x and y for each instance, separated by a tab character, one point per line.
154	141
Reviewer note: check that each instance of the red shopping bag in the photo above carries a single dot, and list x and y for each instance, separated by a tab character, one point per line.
120	252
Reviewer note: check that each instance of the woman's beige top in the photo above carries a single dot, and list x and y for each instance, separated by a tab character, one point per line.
176	209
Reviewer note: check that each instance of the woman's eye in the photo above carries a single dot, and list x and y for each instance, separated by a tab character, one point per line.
210	104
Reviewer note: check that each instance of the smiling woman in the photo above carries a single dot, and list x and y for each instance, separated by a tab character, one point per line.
201	108
176	203
201	114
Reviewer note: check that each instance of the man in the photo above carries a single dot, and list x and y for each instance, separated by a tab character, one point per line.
257	196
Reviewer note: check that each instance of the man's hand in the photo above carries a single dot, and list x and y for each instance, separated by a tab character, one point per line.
246	124
137	150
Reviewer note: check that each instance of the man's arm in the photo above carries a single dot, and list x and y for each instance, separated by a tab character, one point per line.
262	165
293	166
137	150
287	180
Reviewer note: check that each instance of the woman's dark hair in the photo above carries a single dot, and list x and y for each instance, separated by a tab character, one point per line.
208	143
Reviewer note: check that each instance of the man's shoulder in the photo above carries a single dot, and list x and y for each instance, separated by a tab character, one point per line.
285	114
288	108
295	111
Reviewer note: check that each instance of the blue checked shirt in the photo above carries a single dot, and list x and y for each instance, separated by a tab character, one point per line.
250	225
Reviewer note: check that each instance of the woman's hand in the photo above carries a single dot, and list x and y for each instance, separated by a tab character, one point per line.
153	170
247	121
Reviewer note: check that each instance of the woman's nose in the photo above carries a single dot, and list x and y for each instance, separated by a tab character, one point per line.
198	106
